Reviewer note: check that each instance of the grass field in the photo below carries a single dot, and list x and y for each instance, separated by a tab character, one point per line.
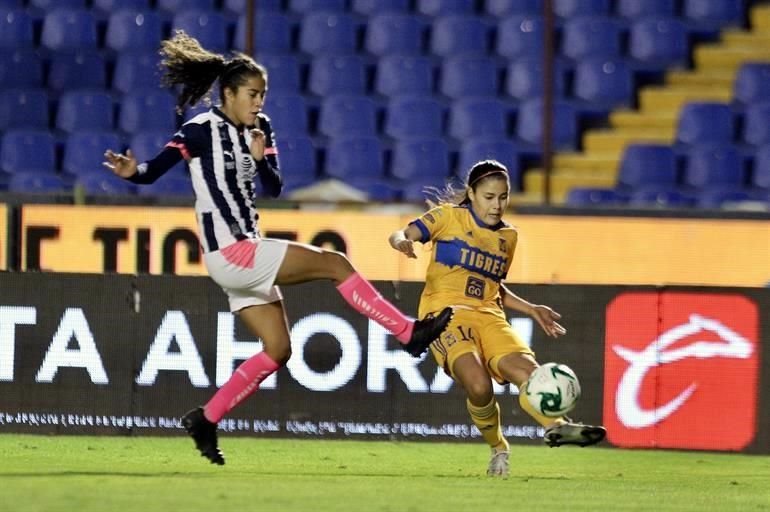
81	474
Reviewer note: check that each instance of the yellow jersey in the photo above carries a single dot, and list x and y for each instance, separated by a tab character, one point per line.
469	259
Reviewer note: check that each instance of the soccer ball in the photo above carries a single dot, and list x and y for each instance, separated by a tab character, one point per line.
553	389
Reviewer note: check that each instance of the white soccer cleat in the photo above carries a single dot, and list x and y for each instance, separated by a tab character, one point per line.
574	433
498	464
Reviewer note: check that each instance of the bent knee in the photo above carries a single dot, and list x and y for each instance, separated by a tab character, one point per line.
479	392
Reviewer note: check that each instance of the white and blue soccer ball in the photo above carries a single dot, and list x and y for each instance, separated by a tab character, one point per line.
553	389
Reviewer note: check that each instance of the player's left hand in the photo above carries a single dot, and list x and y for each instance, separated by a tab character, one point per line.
257	147
547	318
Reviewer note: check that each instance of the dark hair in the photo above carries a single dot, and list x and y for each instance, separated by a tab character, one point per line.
478	173
186	63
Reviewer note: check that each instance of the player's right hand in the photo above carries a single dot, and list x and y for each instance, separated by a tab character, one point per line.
120	164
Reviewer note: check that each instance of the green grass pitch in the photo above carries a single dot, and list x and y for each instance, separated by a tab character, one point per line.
148	474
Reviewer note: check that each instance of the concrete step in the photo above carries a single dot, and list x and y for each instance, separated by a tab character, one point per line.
722	77
606	141
562	182
667	99
662	120
718	56
759	18
586	161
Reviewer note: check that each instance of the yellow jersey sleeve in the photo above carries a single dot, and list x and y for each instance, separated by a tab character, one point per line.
434	222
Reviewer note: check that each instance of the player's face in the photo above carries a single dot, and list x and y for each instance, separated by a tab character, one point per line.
490	199
244	105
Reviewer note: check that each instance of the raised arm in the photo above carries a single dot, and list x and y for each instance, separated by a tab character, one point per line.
545	316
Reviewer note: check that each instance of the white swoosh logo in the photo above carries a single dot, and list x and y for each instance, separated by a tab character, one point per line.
627	406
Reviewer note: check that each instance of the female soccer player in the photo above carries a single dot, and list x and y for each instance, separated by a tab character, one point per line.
472	251
227	149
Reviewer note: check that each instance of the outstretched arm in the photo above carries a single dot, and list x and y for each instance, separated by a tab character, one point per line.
545	316
126	167
403	240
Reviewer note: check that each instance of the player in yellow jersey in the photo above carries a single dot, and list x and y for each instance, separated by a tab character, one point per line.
472	251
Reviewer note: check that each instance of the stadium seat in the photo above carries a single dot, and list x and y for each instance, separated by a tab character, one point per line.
414	116
174	6
424	160
37	183
756	123
21	67
136	70
168	185
705	122
394	33
503	8
104	183
572	8
582	196
284	75
17	4
85	110
437	8
660	197
401	75
520	36
659	42
525	78
469	75
48	5
647	165
327	32
272	33
343	114
760	176
337	74
372	8
310	6
147	109
603	84
713	15
354	156
637	9
66	29
110	6
475	116
23	108
590	36
84	151
147	144
77	69
458	34
288	112
488	148
208	27
27	151
529	124
16	28
133	30
297	159
238	7
752	83
711	165
720	197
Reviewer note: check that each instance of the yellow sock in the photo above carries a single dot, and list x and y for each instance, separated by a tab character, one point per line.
543	420
487	420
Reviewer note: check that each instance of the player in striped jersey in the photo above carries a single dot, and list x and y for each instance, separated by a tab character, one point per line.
472	251
227	149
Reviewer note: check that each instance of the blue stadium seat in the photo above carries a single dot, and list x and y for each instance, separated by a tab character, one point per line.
485	148
756	123
84	151
760	176
208	27
637	9
457	34
327	32
21	67
48	5
604	84
17	4
284	75
297	159
752	83
134	30
401	75
110	6
394	33
478	116
520	36
309	6
503	8
24	108
711	165
705	122
23	151
337	74
174	6
238	7
288	112
136	70
659	42
85	110
77	69
721	197
644	165
104	183
529	124
343	114
572	8
525	78
147	109
272	33
354	156
590	36
16	28
661	196
436	8
424	159
37	183
414	116
583	196
713	15
371	8
65	29
469	75
148	143
168	185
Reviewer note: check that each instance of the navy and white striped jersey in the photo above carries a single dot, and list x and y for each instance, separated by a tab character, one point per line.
223	174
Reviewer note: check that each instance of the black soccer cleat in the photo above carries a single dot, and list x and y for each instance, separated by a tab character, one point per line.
427	330
574	433
204	433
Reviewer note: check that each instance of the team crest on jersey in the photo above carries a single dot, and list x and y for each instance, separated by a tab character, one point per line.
429	217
